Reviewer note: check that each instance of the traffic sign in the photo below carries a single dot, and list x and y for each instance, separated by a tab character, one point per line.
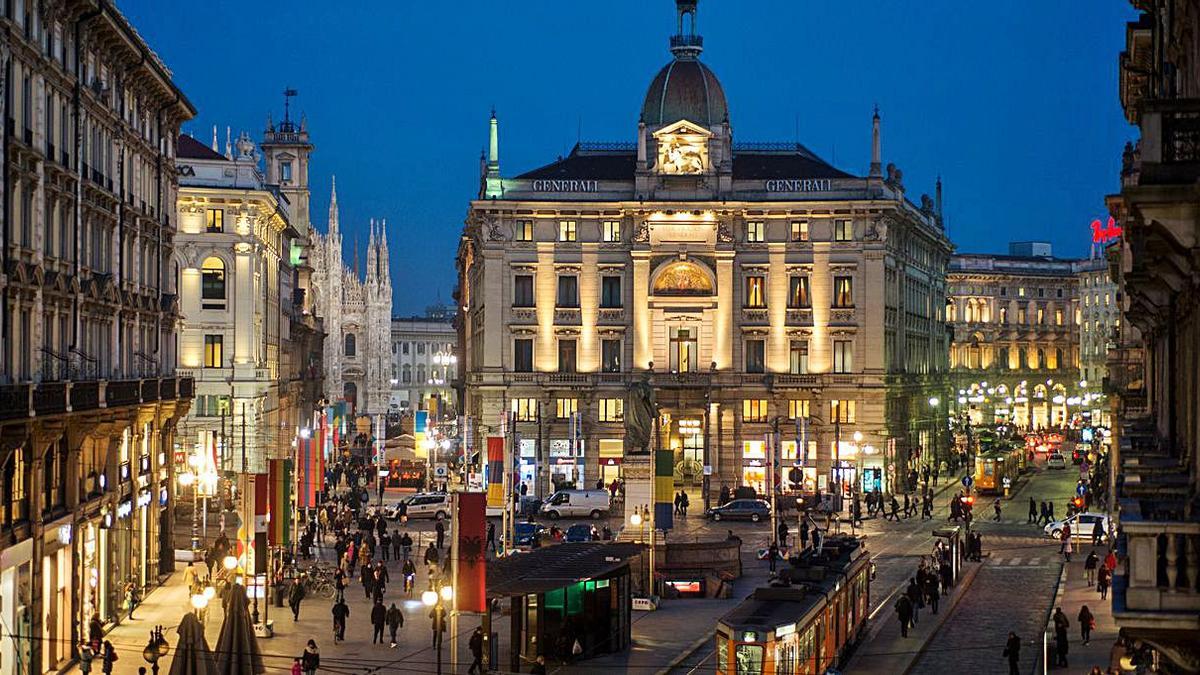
967	482
1080	489
440	470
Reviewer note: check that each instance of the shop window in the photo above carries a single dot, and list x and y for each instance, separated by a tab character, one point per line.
524	409
754	410
612	410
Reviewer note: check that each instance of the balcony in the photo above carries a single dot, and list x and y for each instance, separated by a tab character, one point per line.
1170	148
22	401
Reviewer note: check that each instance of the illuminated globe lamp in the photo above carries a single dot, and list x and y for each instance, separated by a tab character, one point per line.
447	593
429	598
230	562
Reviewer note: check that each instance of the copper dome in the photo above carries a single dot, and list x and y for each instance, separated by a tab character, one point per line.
685	89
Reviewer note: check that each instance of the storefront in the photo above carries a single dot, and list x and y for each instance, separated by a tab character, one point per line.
566	467
56	594
754	465
798	470
16	594
687	446
527	469
612	452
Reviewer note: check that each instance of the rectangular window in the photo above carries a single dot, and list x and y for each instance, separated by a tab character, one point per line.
523	355
524	230
1003	315
1041	292
799	357
566	356
684	350
213	346
285	171
841	411
798	407
565	407
843	230
610	356
1058	317
756	296
611	230
216	220
566	230
754	410
568	291
525	409
610	292
523	290
798	295
1021	316
1003	291
1041	315
799	230
612	410
843	292
1021	292
755	356
755	231
843	356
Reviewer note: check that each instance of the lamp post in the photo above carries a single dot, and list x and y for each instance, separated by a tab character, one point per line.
437	601
933	403
640	519
186	479
156	648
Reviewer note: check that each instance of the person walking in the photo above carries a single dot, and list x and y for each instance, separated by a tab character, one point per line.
1089	567
904	612
996	507
895	509
432	557
914	596
296	593
772	554
907	502
1098	532
397	544
1102	577
385	543
310	660
491	536
684	503
782	531
108	656
1061	644
394	620
1012	650
803	533
340	611
406	545
1049	512
679	503
933	591
440	529
378	619
927	506
1087	622
1033	512
437	623
367	578
475	644
1068	544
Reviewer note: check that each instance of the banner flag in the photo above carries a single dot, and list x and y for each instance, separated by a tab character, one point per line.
495	471
470	565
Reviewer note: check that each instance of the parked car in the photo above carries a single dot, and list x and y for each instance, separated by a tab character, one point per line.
524	534
1056	461
576	503
581	532
434	505
753	510
1082	525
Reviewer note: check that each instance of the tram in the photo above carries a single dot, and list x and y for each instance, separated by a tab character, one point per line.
804	628
993	465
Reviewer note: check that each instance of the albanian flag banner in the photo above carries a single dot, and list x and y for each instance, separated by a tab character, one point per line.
470	570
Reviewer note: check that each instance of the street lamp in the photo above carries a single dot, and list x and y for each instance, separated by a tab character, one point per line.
230	562
436	600
933	403
156	648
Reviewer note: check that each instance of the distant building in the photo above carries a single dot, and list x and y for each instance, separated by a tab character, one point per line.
424	361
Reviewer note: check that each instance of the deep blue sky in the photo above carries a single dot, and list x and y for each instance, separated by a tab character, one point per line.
1013	103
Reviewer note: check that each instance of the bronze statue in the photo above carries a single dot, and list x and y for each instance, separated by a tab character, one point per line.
640	413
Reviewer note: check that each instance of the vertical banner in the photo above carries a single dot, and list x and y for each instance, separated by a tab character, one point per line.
495	472
279	531
664	489
262	516
470	564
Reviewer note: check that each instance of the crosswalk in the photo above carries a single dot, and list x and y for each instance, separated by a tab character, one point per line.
1021	561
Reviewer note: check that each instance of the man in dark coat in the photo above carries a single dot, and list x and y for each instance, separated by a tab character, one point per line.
904	612
378	618
1012	650
296	593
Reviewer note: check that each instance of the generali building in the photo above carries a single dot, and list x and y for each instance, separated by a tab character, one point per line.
756	287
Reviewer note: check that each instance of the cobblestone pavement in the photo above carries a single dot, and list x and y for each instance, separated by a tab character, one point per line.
1009	593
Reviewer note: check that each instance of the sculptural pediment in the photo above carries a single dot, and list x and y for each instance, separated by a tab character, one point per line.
682	277
682	149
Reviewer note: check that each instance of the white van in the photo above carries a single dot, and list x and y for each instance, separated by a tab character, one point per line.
434	505
576	503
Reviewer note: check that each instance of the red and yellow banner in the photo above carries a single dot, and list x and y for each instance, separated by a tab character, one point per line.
495	468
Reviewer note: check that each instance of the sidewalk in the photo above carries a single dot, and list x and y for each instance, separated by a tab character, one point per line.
1073	593
885	651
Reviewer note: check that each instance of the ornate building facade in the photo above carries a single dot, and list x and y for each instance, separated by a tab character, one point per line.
424	361
1156	385
357	315
89	397
755	286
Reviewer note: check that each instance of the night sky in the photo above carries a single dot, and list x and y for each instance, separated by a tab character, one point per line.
1014	103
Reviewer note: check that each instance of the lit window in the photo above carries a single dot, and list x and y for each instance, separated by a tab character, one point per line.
612	410
611	230
798	407
843	230
843	292
841	411
565	407
684	350
216	220
755	232
212	351
1021	292
1041	315
285	171
756	297
800	230
754	410
610	357
1058	317
566	230
798	295
843	356
525	409
799	357
524	230
1021	315
212	284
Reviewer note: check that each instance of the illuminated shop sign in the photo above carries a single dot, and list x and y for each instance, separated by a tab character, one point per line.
566	186
125	508
799	185
1106	233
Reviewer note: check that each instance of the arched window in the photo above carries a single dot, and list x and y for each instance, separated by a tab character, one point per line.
1041	358
212	283
1060	360
406	375
421	373
350	394
1024	358
351	345
1002	359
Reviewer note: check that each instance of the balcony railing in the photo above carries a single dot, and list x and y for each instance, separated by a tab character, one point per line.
1163	569
1170	148
20	401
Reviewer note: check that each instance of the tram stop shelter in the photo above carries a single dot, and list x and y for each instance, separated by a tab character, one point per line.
952	536
559	594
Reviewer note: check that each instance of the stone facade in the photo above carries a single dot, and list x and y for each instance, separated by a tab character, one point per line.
754	285
424	361
89	400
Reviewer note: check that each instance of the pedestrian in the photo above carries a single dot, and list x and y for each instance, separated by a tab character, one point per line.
1098	532
406	544
491	536
437	623
432	557
367	578
932	591
296	593
906	505
1033	513
772	554
538	667
1110	560
1102	577
996	508
310	660
685	502
1067	543
475	644
108	656
394	619
385	543
895	509
1012	650
803	533
1087	622
1061	645
340	611
440	528
378	619
782	531
904	612
723	498
1049	512
1089	567
679	503
927	506
397	545
914	596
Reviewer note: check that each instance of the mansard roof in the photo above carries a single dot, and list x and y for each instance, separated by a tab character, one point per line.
190	148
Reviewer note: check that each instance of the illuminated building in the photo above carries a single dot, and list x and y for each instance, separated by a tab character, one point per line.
755	286
89	397
1156	384
424	361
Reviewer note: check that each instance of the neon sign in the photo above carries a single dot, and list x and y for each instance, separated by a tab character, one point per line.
1106	233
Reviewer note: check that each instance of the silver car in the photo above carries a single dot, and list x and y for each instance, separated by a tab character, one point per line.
1082	525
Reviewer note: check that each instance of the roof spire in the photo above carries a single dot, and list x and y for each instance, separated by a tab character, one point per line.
492	187
214	143
333	208
686	45
876	151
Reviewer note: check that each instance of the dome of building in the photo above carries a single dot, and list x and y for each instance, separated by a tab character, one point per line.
685	89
